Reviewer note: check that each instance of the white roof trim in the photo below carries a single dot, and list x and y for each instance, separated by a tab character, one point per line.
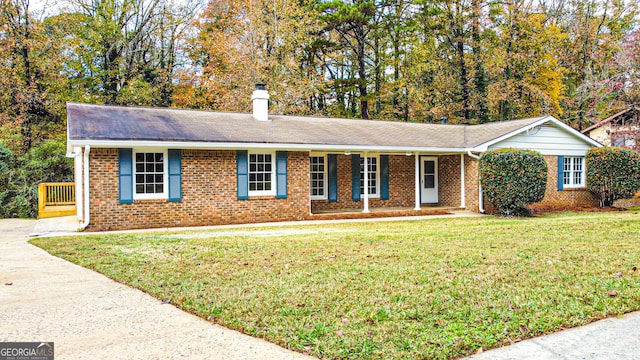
483	147
264	146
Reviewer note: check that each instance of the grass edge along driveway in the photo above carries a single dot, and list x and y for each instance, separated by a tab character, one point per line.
439	288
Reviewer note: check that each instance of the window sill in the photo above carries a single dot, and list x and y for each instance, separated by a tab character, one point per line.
150	201
261	197
580	188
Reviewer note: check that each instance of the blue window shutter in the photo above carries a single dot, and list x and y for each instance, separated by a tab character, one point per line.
333	177
125	175
560	172
384	177
175	175
281	174
355	177
242	166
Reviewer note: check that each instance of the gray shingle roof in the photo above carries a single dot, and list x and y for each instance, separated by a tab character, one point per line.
115	123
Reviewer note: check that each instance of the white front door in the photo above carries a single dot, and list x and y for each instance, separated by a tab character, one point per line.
428	179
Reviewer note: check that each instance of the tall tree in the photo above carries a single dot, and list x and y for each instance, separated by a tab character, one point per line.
352	21
28	64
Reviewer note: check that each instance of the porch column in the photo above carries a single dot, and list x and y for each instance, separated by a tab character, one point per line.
77	176
462	195
417	175
366	184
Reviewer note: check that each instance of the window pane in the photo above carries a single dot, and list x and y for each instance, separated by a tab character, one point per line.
573	171
429	182
260	172
372	165
149	173
429	167
317	175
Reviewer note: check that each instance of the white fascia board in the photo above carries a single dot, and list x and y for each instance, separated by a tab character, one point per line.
484	147
263	146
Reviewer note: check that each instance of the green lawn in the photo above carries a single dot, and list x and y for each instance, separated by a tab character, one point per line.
438	288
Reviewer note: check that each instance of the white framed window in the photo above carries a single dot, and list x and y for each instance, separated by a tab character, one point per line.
574	172
318	171
373	176
150	174
262	173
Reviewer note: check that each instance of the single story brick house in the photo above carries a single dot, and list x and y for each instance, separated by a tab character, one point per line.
156	167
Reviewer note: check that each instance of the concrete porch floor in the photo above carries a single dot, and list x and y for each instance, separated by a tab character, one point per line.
380	212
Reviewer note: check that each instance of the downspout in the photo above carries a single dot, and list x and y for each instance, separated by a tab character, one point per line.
85	204
462	183
366	183
480	197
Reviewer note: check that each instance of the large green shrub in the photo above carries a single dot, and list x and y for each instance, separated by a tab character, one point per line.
512	179
20	175
613	173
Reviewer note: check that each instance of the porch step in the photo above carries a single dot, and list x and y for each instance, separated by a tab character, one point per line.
56	211
378	213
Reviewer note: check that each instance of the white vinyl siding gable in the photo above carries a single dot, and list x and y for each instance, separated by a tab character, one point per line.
548	140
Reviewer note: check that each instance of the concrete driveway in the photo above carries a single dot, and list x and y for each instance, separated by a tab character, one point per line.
88	316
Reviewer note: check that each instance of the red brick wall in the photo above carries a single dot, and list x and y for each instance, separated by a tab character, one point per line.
568	198
209	194
553	198
449	180
401	186
471	183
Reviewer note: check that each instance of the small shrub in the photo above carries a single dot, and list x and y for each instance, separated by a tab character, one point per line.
512	179
613	173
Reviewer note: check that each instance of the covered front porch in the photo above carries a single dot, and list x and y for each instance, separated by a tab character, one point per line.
398	184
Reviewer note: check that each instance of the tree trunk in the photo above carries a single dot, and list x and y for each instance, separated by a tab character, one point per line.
362	74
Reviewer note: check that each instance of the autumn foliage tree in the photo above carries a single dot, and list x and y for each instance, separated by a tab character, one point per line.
469	61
